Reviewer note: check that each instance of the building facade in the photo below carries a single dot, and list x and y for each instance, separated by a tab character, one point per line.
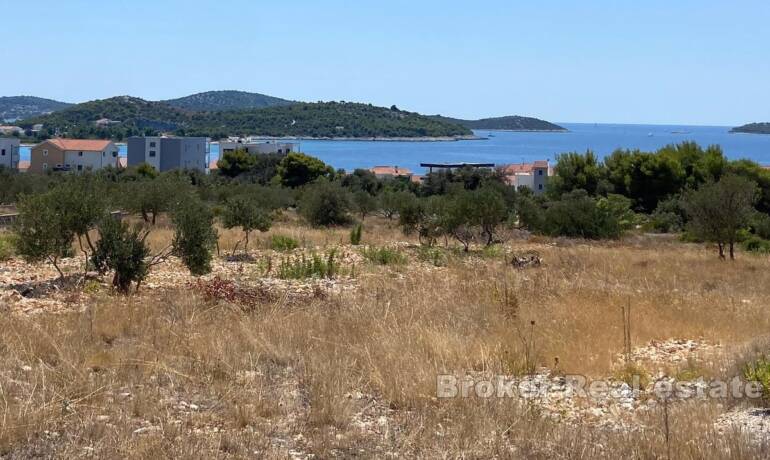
255	148
75	155
167	153
9	153
531	175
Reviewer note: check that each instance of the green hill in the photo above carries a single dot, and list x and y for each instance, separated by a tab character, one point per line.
126	116
18	107
213	101
753	128
509	123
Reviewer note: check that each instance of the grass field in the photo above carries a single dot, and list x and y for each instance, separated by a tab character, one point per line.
349	368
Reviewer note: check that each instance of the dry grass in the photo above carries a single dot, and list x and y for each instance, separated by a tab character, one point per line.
212	380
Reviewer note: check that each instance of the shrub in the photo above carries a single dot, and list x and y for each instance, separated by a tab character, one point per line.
283	243
355	235
314	266
757	245
364	203
122	250
434	256
324	203
195	236
297	169
579	215
7	246
383	255
759	371
43	230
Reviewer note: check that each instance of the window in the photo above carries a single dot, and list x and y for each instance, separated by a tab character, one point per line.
80	167
152	153
152	144
80	154
540	172
45	166
114	154
58	166
540	186
3	154
67	165
45	153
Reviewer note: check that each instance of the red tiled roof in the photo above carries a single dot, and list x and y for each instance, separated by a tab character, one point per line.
390	171
86	145
525	168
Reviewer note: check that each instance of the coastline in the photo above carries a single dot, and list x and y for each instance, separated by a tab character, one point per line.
372	139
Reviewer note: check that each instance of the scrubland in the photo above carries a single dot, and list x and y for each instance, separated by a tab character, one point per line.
233	365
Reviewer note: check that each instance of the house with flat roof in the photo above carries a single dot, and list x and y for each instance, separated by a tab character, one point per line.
9	152
169	152
76	155
531	175
257	148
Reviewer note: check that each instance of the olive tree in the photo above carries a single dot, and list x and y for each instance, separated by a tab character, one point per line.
194	236
246	212
43	231
718	210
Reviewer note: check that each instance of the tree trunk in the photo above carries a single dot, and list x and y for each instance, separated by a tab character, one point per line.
55	264
721	251
246	245
732	250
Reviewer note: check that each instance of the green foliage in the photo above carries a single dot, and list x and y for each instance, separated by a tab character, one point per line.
233	164
283	243
44	229
245	211
425	217
212	101
325	203
314	266
150	197
195	236
435	256
122	250
355	234
575	171
298	169
756	245
619	207
7	245
719	210
383	255
390	201
364	203
759	371
579	215
669	216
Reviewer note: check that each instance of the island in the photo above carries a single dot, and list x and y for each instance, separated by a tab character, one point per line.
508	123
753	128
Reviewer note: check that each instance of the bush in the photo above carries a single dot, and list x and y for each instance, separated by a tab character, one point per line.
314	266
7	246
669	216
324	203
756	245
579	215
759	372
283	243
355	235
383	256
195	236
122	250
434	256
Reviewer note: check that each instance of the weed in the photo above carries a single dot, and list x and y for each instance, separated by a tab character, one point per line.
383	255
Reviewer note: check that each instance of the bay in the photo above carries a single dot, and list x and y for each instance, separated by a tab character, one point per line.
502	147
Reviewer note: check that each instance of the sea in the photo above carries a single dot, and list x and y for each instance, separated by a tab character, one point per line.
503	147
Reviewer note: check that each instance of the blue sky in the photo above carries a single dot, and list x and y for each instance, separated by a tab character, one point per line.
696	62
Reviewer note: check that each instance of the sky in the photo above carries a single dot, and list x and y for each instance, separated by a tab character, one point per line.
666	62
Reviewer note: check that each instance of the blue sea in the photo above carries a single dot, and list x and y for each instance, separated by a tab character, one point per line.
501	147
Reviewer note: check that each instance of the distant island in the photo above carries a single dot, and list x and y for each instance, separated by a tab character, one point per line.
509	123
753	128
120	117
221	114
17	107
215	101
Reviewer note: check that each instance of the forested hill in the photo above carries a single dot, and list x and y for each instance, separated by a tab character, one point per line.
753	128
130	116
213	101
510	123
16	107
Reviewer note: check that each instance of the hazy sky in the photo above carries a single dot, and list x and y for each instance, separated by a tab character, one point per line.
697	62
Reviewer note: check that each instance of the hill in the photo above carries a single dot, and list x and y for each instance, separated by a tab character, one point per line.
509	123
213	101
753	128
126	116
18	107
